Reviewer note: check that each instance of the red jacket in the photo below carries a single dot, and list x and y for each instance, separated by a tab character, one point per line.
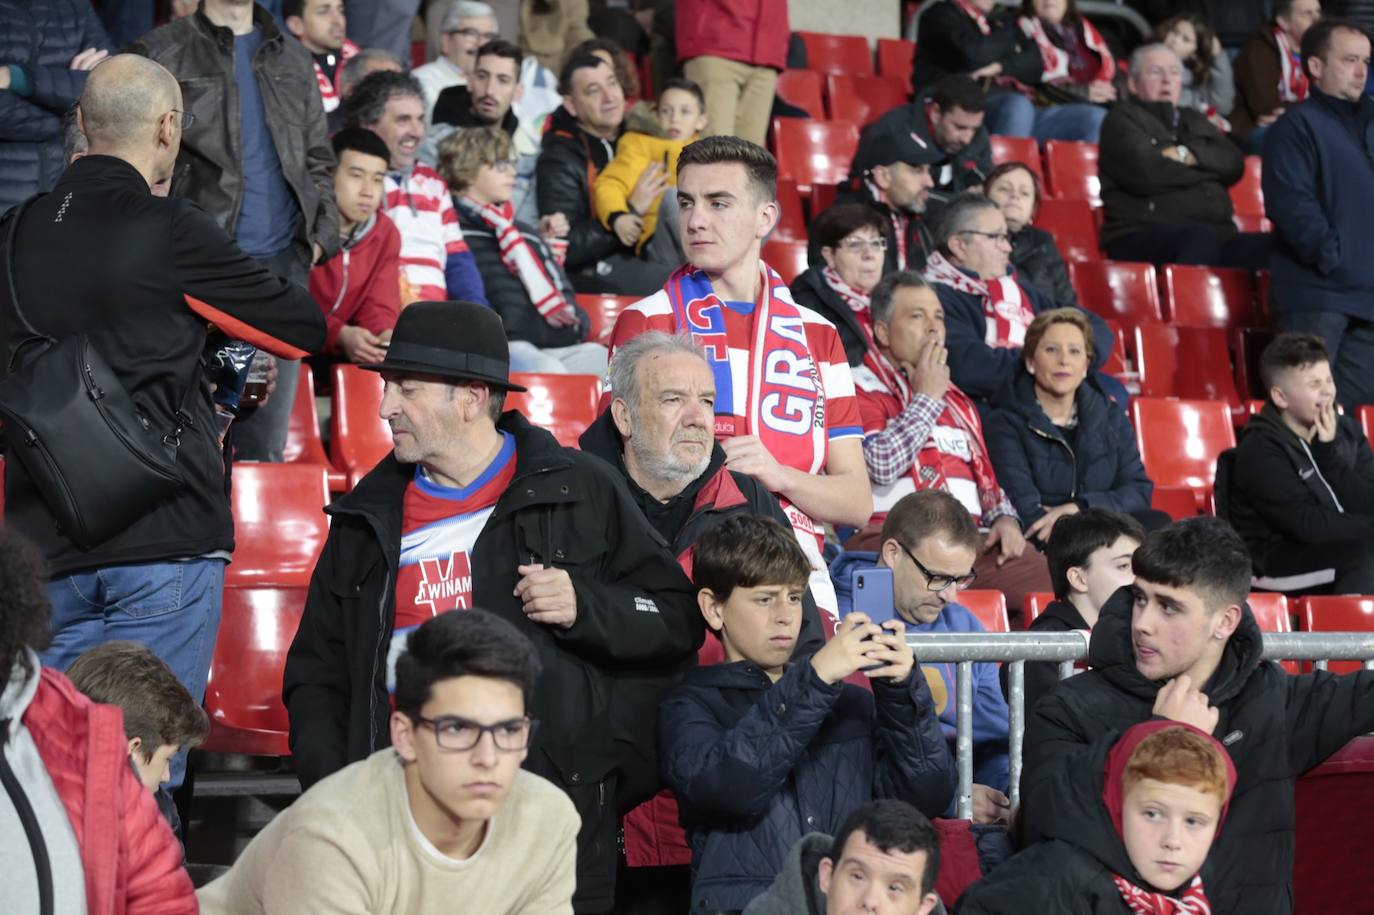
362	283
131	860
750	31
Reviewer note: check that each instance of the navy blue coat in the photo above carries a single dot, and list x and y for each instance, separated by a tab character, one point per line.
1318	191
756	765
1038	469
41	37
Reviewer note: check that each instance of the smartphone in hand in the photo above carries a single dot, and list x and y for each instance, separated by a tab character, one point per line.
872	590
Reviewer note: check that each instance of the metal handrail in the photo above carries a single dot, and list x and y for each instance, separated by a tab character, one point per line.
964	649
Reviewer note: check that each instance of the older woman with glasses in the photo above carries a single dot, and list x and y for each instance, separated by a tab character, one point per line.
851	242
1016	191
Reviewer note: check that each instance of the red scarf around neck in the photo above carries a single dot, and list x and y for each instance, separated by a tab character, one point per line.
979	17
1006	310
1056	59
1292	79
524	262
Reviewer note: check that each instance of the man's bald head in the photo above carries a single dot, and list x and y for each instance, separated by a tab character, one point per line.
123	100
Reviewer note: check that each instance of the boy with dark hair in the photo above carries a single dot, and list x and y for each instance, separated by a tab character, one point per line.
445	814
1300	485
1182	645
359	289
760	750
1163	790
885	858
319	25
1089	556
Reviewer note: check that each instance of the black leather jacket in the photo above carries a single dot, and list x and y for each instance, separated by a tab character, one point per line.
569	161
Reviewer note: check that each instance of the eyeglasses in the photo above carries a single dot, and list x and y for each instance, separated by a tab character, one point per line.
936	581
459	734
187	118
993	236
476	34
503	165
1161	72
860	245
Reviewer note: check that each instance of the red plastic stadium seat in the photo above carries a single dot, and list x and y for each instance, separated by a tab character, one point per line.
1337	613
279	523
243	693
1190	362
1073	227
1180	439
895	58
1072	170
417	54
1116	362
303	442
1272	615
822	198
1366	415
1207	296
563	404
1251	222
1033	604
1249	343
802	88
603	310
863	99
1177	503
786	257
837	53
1335	805
989	606
1018	149
359	437
792	218
1122	290
1247	194
814	152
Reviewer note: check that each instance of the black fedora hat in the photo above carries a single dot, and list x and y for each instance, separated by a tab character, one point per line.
452	339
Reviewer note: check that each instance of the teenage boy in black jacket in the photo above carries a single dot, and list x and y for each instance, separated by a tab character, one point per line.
1300	486
1185	622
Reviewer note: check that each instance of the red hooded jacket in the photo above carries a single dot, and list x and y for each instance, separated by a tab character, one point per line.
749	31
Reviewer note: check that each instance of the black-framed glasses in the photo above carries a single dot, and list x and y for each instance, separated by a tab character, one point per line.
454	733
995	236
187	118
936	581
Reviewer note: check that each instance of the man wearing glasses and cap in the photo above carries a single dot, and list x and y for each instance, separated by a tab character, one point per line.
444	820
477	508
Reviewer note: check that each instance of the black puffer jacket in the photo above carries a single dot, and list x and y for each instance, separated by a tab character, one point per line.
918	241
1038	261
569	161
1061	877
811	290
507	294
1041	677
1276	726
209	168
1143	188
41	37
636	613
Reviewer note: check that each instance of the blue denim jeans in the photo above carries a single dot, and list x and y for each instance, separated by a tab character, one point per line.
171	607
1013	115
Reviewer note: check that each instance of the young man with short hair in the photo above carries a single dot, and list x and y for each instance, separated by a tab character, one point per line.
885	859
1299	487
466	26
761	750
1181	644
319	26
785	408
444	816
359	290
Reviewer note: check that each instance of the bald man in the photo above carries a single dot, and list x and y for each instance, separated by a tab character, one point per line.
142	276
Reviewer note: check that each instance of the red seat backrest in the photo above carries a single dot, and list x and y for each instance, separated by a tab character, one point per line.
896	57
243	694
786	257
1176	502
1018	149
814	152
1180	439
359	437
1207	296
1191	362
303	442
863	99
1335	805
1072	170
603	309
1034	603
1249	343
1247	194
792	216
802	88
563	404
1123	290
1366	417
989	606
279	523
1272	614
1073	227
1337	613
836	53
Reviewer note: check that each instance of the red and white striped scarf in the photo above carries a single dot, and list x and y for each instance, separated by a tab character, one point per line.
1005	307
900	220
1292	79
522	260
1056	59
1142	902
329	90
856	300
978	16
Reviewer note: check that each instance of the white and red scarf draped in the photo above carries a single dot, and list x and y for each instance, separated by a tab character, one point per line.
1292	79
522	260
329	89
1056	60
1005	307
780	371
979	17
1193	901
900	221
857	301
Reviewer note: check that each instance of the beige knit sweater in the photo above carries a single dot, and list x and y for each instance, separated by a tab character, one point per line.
349	845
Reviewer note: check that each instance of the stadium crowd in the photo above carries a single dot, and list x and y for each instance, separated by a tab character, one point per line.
659	664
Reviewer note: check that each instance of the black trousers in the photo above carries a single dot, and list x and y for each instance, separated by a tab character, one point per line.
1193	243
